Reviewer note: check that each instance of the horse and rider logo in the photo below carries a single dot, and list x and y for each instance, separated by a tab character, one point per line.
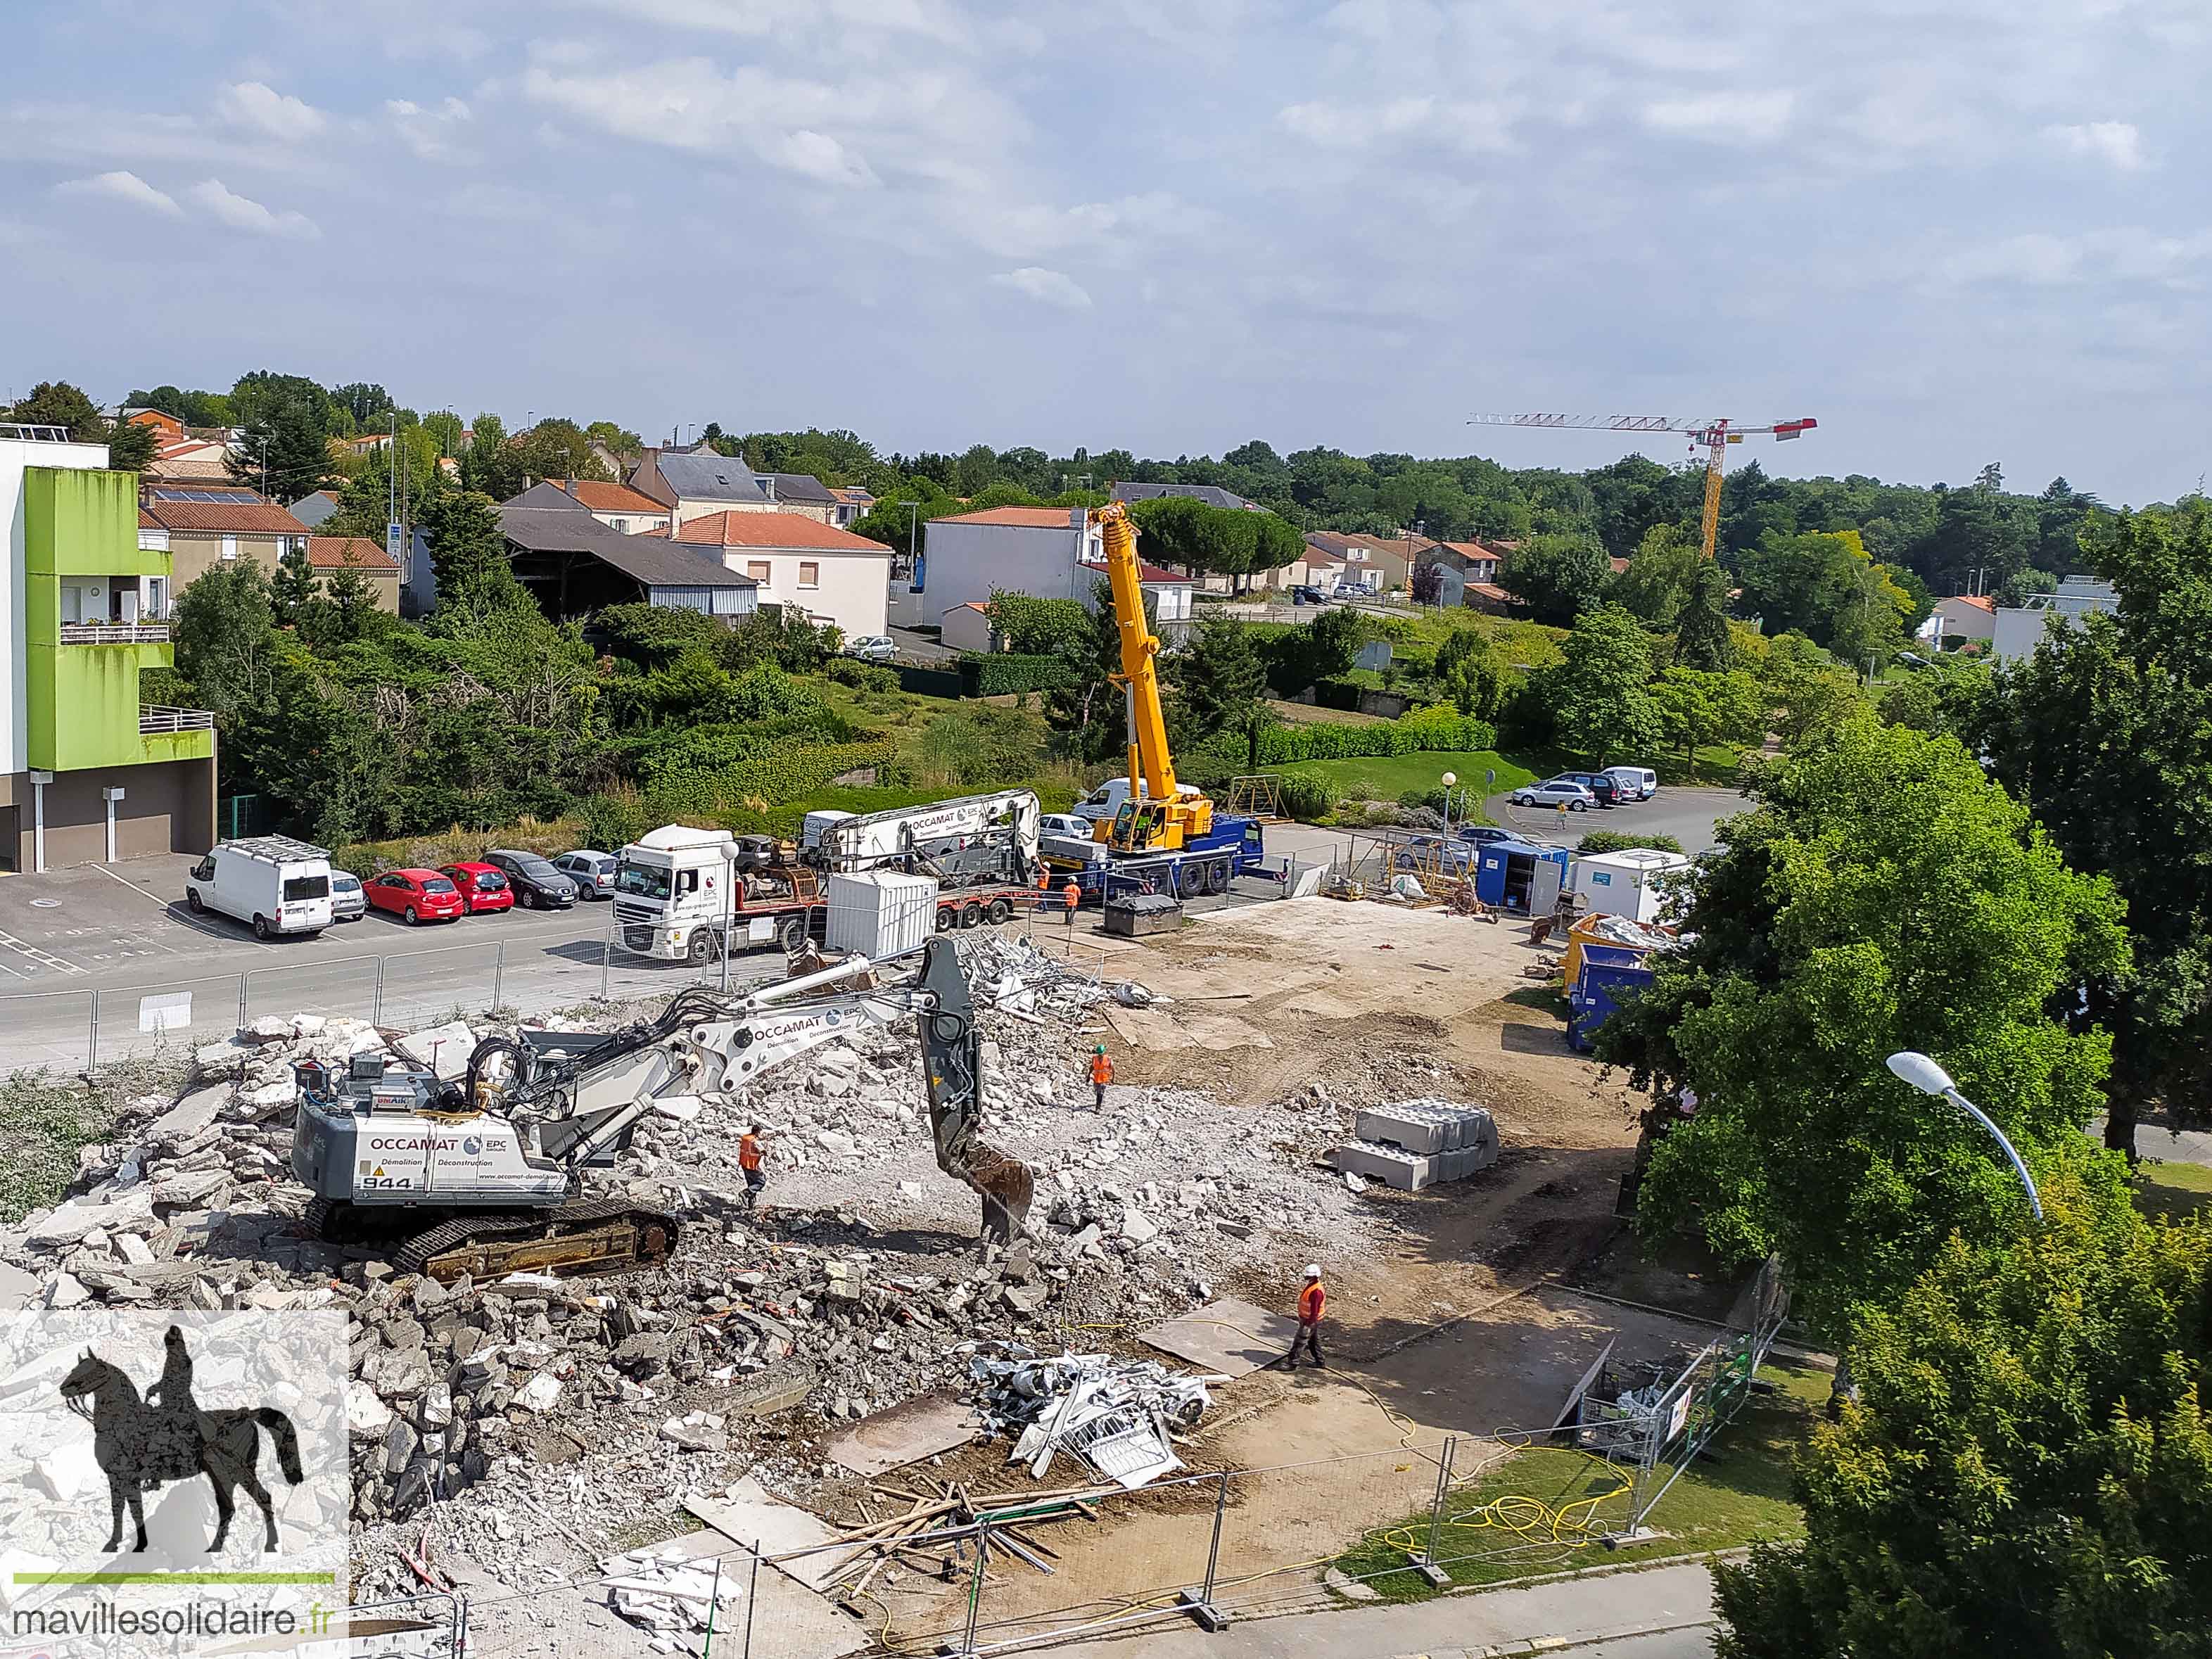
141	1443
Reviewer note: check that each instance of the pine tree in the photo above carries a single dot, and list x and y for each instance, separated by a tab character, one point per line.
286	451
1701	631
292	589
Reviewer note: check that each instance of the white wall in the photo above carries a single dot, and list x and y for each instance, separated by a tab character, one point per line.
15	454
964	629
964	563
852	589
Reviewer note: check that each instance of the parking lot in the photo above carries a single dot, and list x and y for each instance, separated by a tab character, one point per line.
1691	816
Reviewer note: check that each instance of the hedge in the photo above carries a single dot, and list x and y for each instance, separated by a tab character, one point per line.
771	778
1439	728
1006	671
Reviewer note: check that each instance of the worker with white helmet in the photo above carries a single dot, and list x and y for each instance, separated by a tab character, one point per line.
1313	1298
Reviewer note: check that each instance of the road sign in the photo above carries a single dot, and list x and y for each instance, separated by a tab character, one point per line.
394	539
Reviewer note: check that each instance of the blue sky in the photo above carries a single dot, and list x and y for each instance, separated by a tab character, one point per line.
1951	230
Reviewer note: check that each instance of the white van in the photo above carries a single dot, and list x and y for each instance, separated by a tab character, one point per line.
1104	803
273	882
1634	782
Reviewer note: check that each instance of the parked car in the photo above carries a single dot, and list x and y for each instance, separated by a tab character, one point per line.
872	648
1600	784
1636	782
1481	835
1306	593
1447	853
348	901
537	884
273	883
1065	824
1555	791
593	872
482	887
415	895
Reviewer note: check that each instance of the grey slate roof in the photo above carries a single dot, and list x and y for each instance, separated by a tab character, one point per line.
801	487
1211	494
537	527
710	477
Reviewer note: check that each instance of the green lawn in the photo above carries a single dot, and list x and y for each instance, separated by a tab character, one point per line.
1738	1493
1386	777
2179	1190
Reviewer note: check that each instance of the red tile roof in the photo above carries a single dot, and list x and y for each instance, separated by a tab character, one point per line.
1979	601
601	497
1619	564
1146	573
361	552
776	530
1021	518
1490	590
147	520
255	518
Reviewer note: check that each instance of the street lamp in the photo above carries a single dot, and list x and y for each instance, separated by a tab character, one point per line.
1925	1075
913	513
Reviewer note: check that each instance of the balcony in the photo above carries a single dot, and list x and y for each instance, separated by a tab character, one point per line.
157	721
137	633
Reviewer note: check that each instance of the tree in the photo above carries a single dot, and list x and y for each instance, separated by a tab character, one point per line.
1807	690
1321	649
1217	680
256	398
2106	732
469	563
57	402
1702	639
1468	672
1596	695
285	449
2021	584
1557	577
1424	583
1039	628
292	589
1084	706
1698	708
1946	698
224	633
192	408
1662	577
445	430
1884	896
368	404
2027	1469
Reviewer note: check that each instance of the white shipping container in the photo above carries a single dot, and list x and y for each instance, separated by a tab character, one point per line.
1631	883
880	913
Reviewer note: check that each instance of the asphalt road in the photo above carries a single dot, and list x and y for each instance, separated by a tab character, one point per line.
1688	815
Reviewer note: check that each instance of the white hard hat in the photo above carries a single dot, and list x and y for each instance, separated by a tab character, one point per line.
1313	1270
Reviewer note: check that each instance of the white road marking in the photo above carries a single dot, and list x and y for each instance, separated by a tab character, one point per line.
133	885
44	959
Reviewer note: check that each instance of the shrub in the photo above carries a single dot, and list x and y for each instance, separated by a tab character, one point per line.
1306	798
862	676
1436	728
1615	841
611	822
1003	672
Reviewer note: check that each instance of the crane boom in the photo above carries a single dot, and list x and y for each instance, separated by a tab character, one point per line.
1167	818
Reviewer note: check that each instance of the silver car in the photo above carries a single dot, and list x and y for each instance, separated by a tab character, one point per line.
1556	791
348	901
593	873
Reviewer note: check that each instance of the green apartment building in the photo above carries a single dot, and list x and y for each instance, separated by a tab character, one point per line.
88	773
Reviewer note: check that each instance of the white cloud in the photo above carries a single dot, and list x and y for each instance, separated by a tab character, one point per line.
244	213
1348	125
429	134
2125	253
124	187
280	115
2117	144
1722	115
817	155
1050	288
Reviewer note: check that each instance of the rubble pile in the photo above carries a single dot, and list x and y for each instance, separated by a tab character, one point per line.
1015	976
1117	1415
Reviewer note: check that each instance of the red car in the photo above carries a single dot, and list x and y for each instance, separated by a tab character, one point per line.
483	885
418	896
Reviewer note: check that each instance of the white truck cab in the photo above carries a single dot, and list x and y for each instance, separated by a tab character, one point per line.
273	883
674	892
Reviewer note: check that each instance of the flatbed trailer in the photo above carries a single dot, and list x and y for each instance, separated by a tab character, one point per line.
787	905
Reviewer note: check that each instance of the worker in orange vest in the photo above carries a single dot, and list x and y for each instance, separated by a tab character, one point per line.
1313	1299
1102	1074
752	1154
1073	895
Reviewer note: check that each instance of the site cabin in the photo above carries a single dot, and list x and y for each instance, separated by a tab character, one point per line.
679	889
1234	847
1631	883
273	883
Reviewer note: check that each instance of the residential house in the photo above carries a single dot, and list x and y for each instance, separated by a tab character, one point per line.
1965	617
88	772
1038	550
312	509
617	505
1171	594
802	493
1376	563
209	527
183	452
1211	494
832	574
693	482
574	565
850	501
377	570
1463	565
1323	569
418	584
2018	631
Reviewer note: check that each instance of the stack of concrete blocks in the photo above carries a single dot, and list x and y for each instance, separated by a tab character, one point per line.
1419	1143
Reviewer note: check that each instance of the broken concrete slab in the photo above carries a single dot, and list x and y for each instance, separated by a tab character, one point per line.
1406	1171
1226	1335
746	1514
921	1427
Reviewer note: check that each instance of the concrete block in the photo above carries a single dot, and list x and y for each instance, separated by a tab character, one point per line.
1408	1172
1413	1127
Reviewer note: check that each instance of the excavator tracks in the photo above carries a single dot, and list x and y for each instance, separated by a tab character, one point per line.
606	1236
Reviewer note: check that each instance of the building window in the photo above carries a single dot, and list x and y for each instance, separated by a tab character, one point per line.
757	569
810	574
230	547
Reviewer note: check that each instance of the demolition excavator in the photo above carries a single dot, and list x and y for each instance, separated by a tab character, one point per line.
485	1177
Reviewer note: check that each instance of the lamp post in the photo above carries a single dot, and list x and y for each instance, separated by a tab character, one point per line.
913	513
1925	1075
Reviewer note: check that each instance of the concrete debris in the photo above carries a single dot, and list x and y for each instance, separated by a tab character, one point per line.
1017	977
662	1592
1416	1144
1117	1415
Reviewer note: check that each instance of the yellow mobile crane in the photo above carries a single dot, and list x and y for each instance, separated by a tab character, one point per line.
1164	819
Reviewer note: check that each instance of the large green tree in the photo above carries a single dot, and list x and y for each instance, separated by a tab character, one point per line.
1600	707
1698	708
285	447
223	625
1218	681
1884	896
469	561
1084	708
2106	732
2027	1474
1662	576
1557	576
57	402
1702	639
